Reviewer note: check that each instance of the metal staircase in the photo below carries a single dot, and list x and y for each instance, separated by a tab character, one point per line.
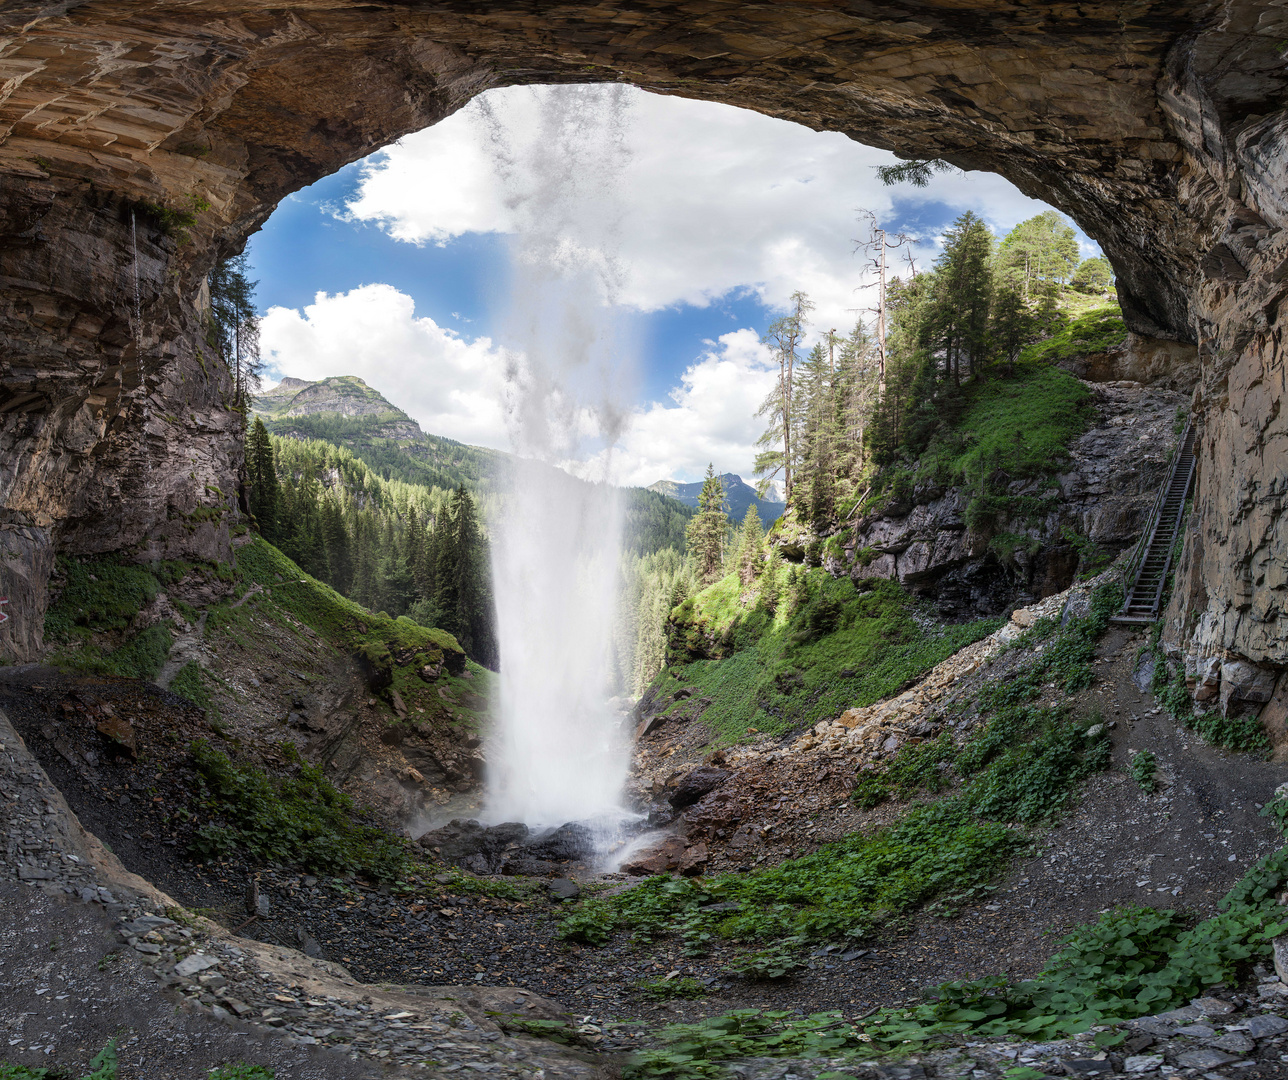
1147	573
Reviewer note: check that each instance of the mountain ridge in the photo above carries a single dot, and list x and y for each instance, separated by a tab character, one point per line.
738	496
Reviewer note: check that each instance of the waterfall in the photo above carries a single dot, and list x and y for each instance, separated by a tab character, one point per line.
558	753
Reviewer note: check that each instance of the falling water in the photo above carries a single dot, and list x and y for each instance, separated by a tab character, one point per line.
558	754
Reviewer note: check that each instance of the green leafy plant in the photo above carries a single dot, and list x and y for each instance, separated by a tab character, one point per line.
670	989
103	1067
777	962
1144	767
591	924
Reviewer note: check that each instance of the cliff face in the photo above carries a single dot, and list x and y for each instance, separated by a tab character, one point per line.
1102	496
1158	126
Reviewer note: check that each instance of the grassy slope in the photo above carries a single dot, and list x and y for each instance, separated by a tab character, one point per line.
89	627
835	646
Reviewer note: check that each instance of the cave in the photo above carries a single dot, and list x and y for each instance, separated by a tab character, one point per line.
141	140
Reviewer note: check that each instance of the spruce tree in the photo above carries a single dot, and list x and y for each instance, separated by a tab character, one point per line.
261	470
706	532
750	558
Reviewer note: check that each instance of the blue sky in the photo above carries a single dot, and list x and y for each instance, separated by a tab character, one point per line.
691	224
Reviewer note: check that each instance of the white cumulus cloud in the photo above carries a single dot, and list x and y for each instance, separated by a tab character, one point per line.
449	385
710	418
708	199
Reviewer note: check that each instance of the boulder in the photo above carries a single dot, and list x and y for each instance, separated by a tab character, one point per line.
659	858
564	888
566	843
697	783
119	734
694	860
1244	684
479	847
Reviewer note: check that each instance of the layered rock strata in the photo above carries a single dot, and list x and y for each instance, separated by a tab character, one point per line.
1158	126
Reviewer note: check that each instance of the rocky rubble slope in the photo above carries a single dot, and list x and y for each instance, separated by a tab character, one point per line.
222	985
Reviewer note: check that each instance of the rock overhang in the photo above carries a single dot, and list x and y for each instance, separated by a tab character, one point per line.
1159	128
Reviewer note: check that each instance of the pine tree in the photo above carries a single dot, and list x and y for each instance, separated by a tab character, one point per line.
1042	250
771	579
955	325
706	532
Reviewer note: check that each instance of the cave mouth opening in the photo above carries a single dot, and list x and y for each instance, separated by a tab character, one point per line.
631	250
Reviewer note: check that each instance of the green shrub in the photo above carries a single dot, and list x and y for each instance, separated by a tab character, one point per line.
776	962
591	924
98	595
299	819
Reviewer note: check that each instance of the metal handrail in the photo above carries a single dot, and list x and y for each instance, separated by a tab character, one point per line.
1176	528
1152	522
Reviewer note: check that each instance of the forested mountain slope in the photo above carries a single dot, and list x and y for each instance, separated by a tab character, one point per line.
345	413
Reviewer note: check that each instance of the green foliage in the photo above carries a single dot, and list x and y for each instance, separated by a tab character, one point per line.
592	923
190	683
698	1051
1009	428
21	1072
1131	962
671	989
843	890
1093	275
103	1067
798	662
1066	655
99	595
1144	768
915	171
779	961
299	819
1097	331
91	615
335	617
1277	810
1092	557
241	1071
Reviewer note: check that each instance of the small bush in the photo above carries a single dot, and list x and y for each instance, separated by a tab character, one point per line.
241	1071
776	962
591	924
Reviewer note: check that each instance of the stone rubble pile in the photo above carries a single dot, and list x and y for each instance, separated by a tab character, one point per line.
879	730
